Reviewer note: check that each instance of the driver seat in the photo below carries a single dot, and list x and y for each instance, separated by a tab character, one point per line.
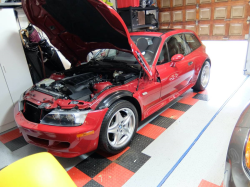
173	47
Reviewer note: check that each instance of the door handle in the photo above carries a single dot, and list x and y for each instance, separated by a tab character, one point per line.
190	63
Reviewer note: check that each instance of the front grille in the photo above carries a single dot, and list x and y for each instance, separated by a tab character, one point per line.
44	142
39	140
33	113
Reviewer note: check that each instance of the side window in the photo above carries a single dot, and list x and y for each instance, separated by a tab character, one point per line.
177	45
163	56
192	41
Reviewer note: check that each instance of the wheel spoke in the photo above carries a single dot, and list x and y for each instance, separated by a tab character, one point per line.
117	138
127	118
118	117
112	130
120	129
126	131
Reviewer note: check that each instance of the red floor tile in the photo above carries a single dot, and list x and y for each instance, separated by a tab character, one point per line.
205	183
113	175
172	113
113	157
188	100
10	136
151	131
203	92
78	177
189	94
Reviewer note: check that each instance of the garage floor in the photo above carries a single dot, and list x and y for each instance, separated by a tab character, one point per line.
183	145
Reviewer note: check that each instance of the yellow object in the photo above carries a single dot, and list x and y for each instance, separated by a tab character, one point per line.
247	153
107	2
85	134
38	170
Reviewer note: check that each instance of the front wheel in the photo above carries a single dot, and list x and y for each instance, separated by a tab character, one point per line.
118	127
203	78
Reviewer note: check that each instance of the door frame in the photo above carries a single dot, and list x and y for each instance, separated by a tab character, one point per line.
247	63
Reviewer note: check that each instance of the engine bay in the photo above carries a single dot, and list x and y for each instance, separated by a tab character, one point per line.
84	86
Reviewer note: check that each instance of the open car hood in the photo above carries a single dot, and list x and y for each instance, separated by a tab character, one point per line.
77	27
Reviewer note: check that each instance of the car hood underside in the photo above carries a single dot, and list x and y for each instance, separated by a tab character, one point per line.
78	27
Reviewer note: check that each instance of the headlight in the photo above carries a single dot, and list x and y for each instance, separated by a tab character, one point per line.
65	118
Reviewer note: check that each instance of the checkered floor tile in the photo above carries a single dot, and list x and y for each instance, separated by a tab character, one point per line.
100	169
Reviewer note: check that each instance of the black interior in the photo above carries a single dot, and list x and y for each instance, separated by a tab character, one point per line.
142	44
79	17
173	47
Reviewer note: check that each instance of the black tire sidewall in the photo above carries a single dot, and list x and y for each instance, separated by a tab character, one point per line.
104	144
198	86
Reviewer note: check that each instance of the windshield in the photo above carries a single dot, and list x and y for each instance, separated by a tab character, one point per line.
146	44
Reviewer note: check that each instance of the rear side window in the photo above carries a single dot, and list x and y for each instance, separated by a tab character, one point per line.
192	41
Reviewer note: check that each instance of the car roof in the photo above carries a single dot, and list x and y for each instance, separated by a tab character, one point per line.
160	32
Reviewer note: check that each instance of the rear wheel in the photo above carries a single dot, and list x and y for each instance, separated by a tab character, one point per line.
118	127
203	78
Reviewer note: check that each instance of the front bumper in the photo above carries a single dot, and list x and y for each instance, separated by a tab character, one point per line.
63	141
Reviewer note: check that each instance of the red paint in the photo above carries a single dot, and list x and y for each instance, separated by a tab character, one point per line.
57	76
66	41
55	134
127	3
100	86
177	58
151	94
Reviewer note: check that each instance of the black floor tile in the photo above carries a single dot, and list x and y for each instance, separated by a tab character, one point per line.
140	142
163	121
132	160
93	165
203	97
181	107
16	143
92	183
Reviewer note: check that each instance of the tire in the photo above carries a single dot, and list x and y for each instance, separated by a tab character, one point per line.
118	127
203	78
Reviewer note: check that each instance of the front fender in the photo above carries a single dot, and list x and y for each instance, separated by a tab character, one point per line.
110	99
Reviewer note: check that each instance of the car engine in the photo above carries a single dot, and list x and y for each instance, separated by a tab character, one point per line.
85	86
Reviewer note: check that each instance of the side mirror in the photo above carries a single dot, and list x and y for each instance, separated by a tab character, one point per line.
176	58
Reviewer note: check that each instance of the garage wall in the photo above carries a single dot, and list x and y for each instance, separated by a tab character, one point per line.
210	19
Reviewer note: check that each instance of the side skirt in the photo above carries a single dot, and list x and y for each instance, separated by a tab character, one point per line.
162	103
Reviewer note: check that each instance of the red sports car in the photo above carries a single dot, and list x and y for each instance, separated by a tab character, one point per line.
99	104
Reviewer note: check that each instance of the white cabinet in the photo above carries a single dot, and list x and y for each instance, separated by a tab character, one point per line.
6	114
14	73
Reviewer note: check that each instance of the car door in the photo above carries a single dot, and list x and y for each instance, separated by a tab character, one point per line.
178	77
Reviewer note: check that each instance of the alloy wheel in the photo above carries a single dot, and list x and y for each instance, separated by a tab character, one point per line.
121	127
205	74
